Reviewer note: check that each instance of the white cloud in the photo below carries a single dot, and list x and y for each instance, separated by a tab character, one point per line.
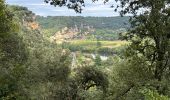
58	10
91	9
38	4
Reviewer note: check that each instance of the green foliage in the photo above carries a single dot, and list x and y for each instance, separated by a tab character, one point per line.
150	31
107	28
149	38
106	34
71	21
128	77
21	13
13	56
33	68
98	60
89	77
153	95
6	22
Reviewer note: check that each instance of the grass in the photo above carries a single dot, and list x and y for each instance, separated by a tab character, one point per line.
92	44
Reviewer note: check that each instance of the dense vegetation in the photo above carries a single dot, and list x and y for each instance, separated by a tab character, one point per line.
33	68
79	21
106	28
30	64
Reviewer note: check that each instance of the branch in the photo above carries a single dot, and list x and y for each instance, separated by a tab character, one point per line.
166	63
92	85
125	91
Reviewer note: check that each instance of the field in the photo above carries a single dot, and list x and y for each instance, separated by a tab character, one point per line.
91	43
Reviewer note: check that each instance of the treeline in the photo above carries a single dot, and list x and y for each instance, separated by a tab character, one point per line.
95	22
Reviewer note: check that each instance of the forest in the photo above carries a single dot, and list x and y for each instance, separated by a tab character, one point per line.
85	58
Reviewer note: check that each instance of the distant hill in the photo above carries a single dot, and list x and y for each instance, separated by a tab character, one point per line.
103	28
72	21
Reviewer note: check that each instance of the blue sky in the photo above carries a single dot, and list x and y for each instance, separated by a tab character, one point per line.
43	9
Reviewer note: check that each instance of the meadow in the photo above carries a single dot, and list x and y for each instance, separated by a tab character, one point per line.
93	43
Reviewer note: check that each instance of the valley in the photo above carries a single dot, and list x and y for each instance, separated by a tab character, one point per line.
45	57
86	37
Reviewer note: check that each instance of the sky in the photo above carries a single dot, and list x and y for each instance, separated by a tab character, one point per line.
91	9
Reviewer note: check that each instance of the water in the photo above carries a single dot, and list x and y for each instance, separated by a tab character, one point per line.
103	57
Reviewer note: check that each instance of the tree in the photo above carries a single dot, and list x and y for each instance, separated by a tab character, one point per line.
6	23
149	36
12	56
150	32
98	44
71	4
98	60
